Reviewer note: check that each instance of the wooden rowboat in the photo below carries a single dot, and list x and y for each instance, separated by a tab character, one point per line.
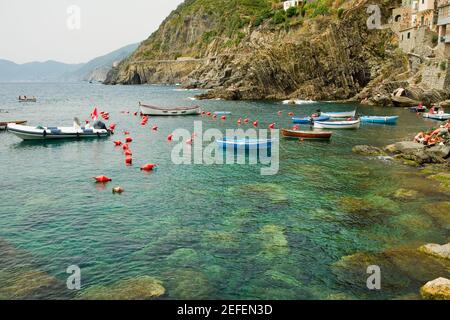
46	133
354	124
25	99
3	125
180	111
307	135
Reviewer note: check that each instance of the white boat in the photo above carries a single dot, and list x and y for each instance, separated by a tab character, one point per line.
437	116
47	133
180	111
27	99
353	124
347	114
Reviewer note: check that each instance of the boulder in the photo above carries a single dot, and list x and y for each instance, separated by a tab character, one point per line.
404	194
437	250
408	147
439	151
404	102
445	104
438	289
368	150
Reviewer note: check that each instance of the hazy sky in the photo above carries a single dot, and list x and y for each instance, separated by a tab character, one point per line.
40	30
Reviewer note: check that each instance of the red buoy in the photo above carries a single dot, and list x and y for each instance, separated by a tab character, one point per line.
223	118
128	152
214	116
255	124
125	146
135	113
246	121
102	179
296	128
239	122
280	113
129	139
128	160
290	114
155	128
148	167
126	133
208	114
112	126
272	126
170	137
118	143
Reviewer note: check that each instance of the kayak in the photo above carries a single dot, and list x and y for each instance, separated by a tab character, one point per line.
437	116
309	120
353	124
379	119
245	144
180	111
47	133
347	114
307	135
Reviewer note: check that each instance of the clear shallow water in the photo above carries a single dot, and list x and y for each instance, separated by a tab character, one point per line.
205	231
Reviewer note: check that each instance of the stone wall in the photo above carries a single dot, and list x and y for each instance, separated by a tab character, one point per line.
436	75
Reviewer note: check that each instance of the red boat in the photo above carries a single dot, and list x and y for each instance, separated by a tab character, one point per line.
307	135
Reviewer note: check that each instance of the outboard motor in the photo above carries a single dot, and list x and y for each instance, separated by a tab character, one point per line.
100	125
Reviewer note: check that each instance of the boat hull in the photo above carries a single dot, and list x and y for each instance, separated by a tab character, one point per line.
307	135
244	144
338	124
380	120
337	115
3	125
31	133
182	111
308	120
440	117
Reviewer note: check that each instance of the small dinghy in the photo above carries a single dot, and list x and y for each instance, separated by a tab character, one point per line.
419	109
347	114
27	99
180	111
306	135
350	124
380	120
3	125
47	133
222	113
437	116
310	120
244	144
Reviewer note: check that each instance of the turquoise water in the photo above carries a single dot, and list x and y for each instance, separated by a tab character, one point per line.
222	232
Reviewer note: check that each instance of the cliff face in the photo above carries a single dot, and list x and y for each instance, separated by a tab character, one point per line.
250	49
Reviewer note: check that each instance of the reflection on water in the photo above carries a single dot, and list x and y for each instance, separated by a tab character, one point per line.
198	231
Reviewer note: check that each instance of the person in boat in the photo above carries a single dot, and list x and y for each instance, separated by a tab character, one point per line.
441	110
76	124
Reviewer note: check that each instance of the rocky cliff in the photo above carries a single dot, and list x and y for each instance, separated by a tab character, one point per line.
252	49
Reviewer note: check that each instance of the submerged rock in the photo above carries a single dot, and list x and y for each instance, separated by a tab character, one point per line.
274	242
273	192
405	194
140	288
437	250
184	257
368	150
440	211
189	284
438	289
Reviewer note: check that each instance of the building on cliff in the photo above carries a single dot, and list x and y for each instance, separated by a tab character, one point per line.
291	3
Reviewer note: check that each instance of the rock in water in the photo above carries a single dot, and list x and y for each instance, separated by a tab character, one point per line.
368	150
438	289
437	250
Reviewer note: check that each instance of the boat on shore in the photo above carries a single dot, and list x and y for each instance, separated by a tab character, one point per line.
380	119
47	133
310	120
350	124
179	111
307	135
437	116
27	99
244	144
346	114
3	125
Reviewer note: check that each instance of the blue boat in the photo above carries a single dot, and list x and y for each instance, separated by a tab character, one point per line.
380	119
309	120
222	113
244	144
